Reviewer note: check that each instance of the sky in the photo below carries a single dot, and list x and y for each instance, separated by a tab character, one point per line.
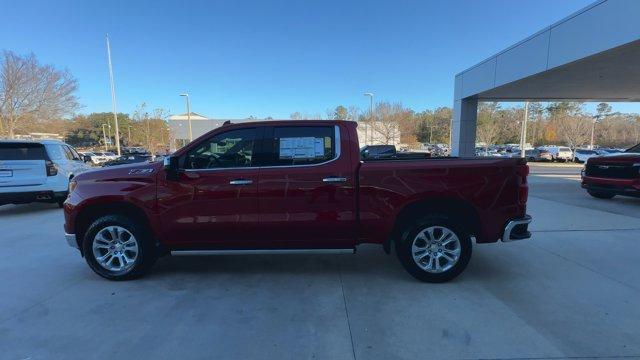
271	58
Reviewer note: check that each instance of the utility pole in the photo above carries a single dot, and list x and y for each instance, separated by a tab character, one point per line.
113	97
104	135
129	138
523	135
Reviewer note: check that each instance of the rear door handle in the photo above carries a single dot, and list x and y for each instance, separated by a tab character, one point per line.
241	182
334	179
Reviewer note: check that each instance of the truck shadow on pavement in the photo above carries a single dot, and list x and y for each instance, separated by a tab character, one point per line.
370	263
21	209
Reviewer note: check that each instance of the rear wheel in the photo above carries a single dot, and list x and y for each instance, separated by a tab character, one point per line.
117	248
434	249
600	194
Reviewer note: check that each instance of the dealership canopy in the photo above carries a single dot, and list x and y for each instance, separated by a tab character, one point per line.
591	55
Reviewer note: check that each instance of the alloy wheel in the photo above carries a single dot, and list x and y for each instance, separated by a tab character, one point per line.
115	249
436	249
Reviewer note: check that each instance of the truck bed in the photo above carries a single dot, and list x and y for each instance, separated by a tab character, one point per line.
490	185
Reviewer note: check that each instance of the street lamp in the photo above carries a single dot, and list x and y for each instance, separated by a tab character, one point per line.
370	95
188	115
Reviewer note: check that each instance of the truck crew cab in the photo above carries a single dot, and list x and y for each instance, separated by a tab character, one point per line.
295	185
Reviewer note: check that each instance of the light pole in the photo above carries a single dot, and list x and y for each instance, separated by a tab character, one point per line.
104	135
370	95
523	134
113	99
188	115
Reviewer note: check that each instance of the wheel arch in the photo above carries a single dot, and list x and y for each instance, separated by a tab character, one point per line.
94	211
446	206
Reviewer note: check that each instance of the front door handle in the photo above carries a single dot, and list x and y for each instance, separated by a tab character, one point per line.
334	179
240	182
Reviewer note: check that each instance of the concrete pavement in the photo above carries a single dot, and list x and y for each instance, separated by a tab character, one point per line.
573	291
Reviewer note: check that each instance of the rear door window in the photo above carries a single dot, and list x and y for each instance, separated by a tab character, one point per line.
21	151
300	145
67	152
55	152
74	154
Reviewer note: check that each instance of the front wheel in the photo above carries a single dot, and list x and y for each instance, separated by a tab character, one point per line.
117	248
434	249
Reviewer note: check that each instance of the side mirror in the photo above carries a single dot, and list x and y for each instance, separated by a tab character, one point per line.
171	167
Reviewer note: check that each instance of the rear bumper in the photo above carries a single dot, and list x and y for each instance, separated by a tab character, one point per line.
517	229
31	196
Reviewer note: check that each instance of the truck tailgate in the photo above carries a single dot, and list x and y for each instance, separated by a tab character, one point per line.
22	164
22	173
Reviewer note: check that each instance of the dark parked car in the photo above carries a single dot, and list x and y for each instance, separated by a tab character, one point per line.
129	159
373	152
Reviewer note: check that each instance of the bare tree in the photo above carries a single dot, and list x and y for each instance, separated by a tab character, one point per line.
31	90
386	127
150	129
488	126
575	130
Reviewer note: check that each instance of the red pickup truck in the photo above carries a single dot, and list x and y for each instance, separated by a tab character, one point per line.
295	185
618	174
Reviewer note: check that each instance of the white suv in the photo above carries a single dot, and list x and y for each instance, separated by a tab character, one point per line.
39	171
559	153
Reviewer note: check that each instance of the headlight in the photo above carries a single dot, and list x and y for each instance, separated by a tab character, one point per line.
72	185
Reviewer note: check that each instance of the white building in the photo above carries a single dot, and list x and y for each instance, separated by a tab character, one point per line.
378	133
179	128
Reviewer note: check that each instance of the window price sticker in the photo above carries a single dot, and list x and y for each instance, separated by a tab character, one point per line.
301	148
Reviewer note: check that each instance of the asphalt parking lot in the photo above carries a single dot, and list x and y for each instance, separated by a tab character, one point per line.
572	291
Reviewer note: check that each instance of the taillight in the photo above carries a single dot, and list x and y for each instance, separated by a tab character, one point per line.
52	169
522	171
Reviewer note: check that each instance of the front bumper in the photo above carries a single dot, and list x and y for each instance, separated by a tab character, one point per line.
517	229
71	240
624	187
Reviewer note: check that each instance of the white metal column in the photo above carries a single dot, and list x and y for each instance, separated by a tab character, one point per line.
463	127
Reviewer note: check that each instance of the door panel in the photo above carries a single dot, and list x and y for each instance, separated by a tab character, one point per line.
210	208
214	202
303	203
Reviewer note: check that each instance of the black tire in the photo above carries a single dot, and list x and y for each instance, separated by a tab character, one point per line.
600	194
412	229
146	256
61	202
